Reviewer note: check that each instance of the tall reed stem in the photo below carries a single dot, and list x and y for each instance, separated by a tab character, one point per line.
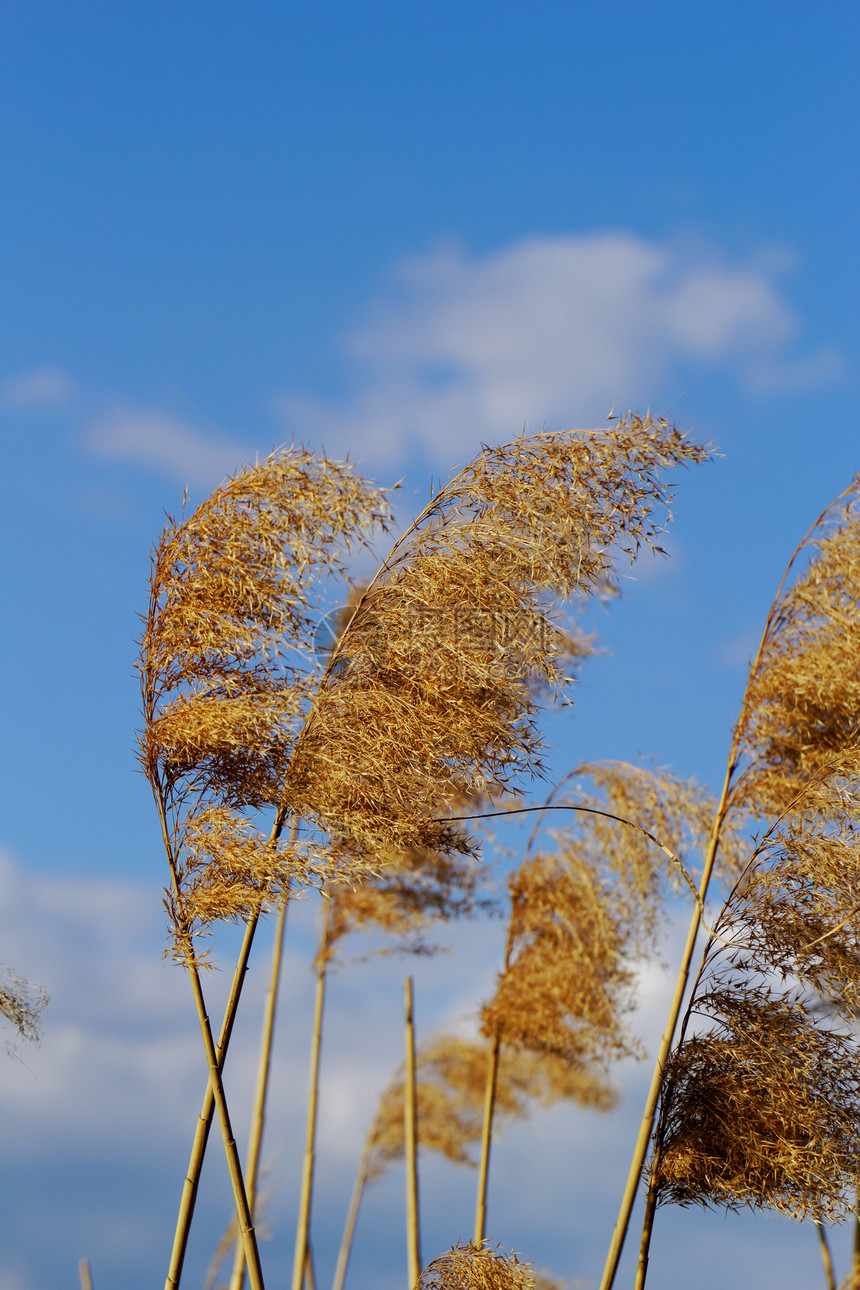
486	1139
234	1167
204	1121
303	1225
252	1164
84	1274
410	1133
826	1256
648	1116
351	1218
647	1123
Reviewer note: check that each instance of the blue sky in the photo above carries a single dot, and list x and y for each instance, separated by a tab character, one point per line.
393	230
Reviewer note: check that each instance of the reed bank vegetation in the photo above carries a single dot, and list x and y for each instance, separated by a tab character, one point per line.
373	772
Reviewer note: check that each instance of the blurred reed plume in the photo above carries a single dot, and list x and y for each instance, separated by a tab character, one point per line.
582	917
761	1107
450	1093
21	1005
476	1267
412	892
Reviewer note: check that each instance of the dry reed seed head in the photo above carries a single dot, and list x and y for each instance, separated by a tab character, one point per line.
21	1004
567	982
764	1110
798	914
226	868
226	652
431	693
407	896
227	673
450	1090
802	710
476	1267
677	813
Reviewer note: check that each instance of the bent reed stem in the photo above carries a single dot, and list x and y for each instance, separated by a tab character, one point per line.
234	1167
204	1121
826	1256
300	1258
252	1164
351	1219
647	1123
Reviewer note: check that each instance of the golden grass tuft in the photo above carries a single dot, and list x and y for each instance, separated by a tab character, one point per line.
430	695
764	1111
450	1092
476	1267
227	674
802	710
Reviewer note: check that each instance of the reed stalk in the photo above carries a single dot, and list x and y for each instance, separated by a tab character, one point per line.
303	1225
646	1127
352	1217
826	1256
204	1120
410	1132
486	1137
252	1164
243	1214
85	1274
310	1270
777	618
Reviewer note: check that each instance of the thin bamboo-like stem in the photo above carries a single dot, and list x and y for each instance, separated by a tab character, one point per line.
252	1164
826	1256
85	1274
204	1122
486	1139
647	1123
234	1167
649	1114
410	1131
303	1225
351	1218
855	1267
648	1223
310	1270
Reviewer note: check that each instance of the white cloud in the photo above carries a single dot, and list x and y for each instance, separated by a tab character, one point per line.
37	390
163	443
550	330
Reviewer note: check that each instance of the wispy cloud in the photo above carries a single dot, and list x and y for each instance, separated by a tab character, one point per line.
551	330
167	444
40	389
